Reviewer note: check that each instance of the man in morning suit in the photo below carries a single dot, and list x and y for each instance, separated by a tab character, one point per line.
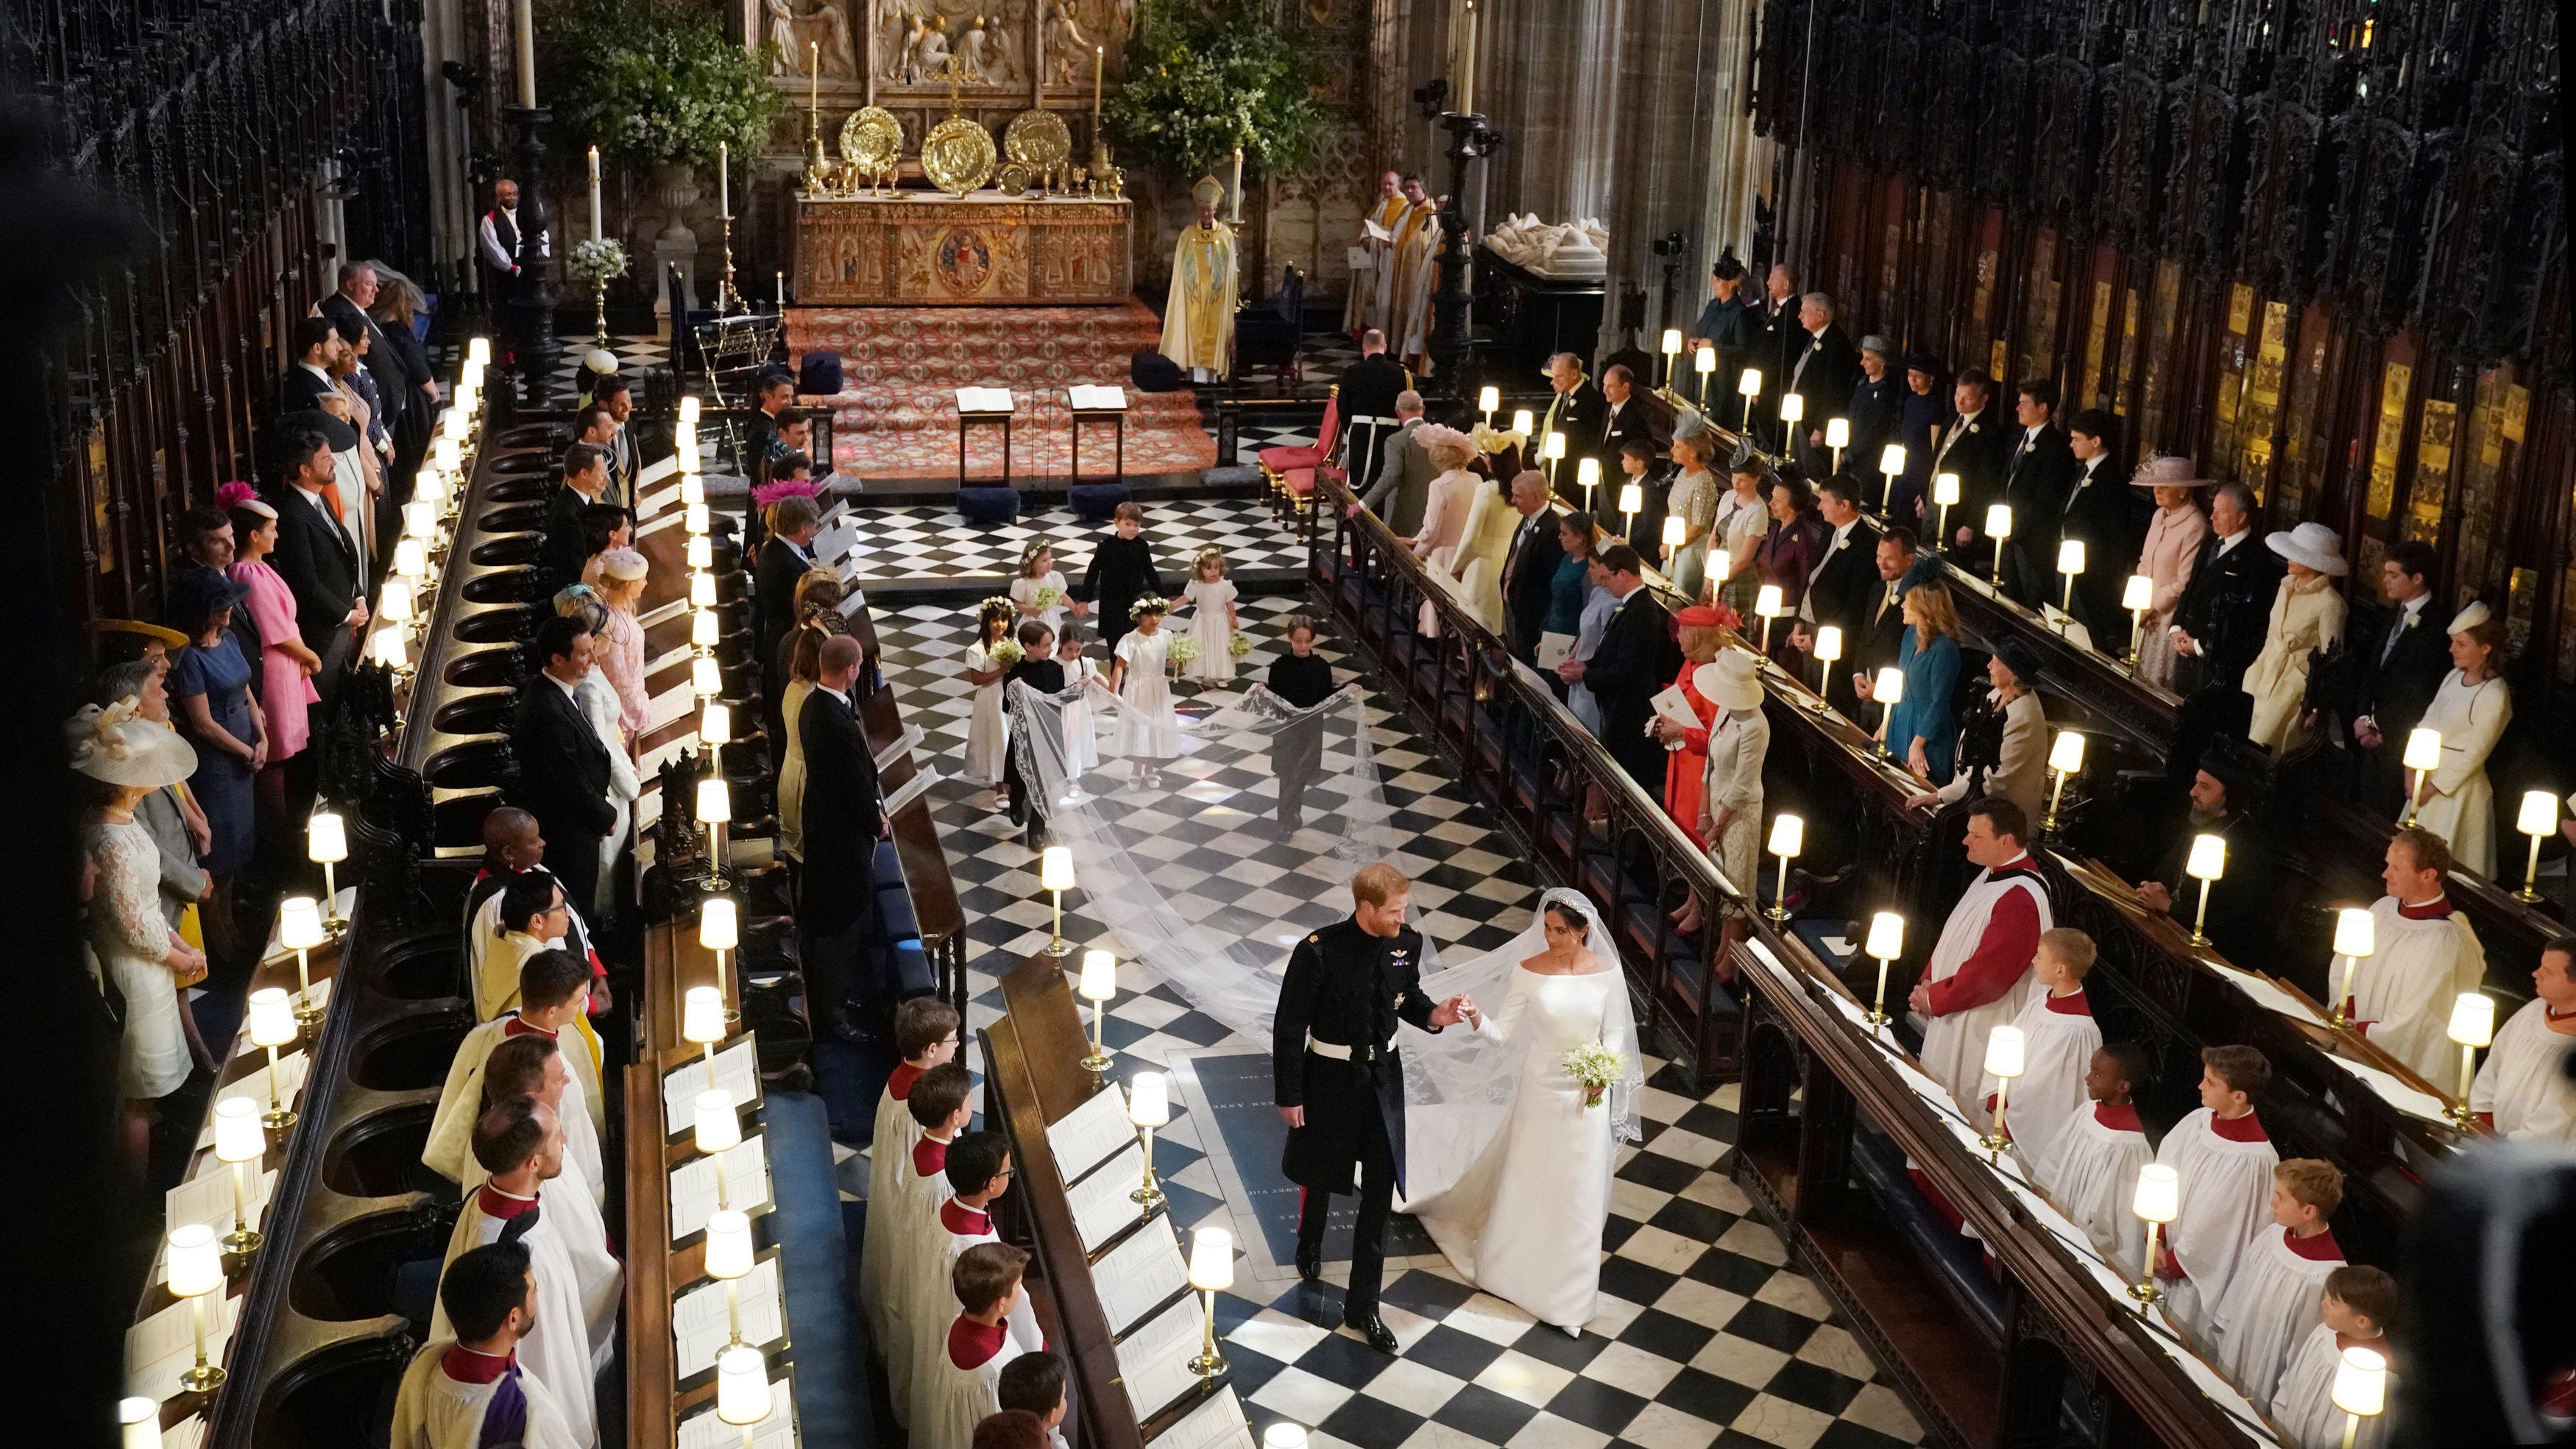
348	307
2219	621
1974	446
1529	565
1840	587
317	345
2404	658
561	774
1776	346
1367	397
315	556
1877	410
1882	620
625	459
845	818
1404	472
1627	411
585	476
1339	1083
2103	514
1575	410
1822	377
2037	473
1636	658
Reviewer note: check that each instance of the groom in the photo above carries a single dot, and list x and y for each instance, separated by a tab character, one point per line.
1340	1084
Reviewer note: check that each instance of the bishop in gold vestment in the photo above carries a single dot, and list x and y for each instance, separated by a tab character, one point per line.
1198	316
1415	275
1366	305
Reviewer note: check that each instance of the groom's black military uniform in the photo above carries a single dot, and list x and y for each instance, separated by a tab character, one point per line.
1333	1053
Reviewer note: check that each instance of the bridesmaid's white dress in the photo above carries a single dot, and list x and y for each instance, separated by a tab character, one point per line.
1148	727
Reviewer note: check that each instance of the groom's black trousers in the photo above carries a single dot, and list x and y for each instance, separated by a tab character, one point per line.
1377	1201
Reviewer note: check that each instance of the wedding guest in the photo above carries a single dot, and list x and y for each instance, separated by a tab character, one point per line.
1686	747
2354	1311
210	682
286	663
844	819
585	477
2272	1302
469	1390
1873	643
2003	744
1840	588
784	559
563	770
2172	550
621	661
2522	1089
603	526
2110	521
1694	499
317	556
2218	624
1590	625
1922	727
1632	661
1640	462
2091	1169
2307	615
599	705
2400	995
2225	1161
2403	665
820	622
1452	495
1529	566
1919	416
925	1036
1731	806
169	815
1570	587
2059	1038
2471	709
208	541
1789	554
1121	572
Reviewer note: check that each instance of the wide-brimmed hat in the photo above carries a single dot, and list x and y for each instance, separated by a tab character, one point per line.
2167	472
1730	681
1923	362
1438	435
163	634
1880	345
2020	658
115	745
2313	544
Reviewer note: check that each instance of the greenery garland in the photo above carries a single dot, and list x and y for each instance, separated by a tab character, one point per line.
653	81
1201	82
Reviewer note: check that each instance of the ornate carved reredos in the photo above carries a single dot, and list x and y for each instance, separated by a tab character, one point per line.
901	49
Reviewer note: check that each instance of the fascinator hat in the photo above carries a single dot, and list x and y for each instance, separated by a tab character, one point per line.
118	746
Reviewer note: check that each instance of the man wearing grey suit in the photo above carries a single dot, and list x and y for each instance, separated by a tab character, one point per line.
1404	472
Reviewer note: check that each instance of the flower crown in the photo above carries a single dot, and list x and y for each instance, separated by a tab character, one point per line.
1200	559
1150	604
996	607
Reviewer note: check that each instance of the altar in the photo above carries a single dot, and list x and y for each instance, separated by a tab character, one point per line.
987	248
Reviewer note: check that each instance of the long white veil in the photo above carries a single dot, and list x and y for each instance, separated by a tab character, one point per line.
1460	1084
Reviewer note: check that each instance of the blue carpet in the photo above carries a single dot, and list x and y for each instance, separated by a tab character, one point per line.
833	1402
1239	1098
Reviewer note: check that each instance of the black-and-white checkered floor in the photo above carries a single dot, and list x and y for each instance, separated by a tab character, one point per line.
934	543
1704	1338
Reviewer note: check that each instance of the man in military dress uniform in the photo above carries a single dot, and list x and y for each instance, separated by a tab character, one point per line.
1339	1082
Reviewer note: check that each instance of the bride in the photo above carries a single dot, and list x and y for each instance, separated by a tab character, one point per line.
1510	1166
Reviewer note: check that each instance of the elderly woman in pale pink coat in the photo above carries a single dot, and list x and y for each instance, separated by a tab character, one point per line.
2173	544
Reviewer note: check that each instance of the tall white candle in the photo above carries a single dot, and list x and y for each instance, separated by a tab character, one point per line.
782	291
527	59
724	180
594	191
1467	86
1238	183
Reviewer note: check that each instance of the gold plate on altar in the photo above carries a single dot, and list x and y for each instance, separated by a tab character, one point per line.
1038	140
1013	180
872	139
958	155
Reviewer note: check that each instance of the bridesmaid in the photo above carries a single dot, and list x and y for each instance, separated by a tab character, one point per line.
286	665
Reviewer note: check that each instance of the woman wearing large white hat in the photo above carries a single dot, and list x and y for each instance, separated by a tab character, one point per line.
2471	710
1731	804
2307	615
129	758
2172	547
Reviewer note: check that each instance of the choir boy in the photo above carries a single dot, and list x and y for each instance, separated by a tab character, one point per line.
2225	1162
1034	1383
469	1391
2355	1308
938	1106
2522	1090
2272	1302
554	994
2091	1168
2059	1039
981	1343
979	1170
925	1035
2401	994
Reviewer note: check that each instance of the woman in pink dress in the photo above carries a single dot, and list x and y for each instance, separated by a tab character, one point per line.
621	587
286	667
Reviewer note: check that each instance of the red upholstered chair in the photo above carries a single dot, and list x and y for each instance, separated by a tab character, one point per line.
1289	473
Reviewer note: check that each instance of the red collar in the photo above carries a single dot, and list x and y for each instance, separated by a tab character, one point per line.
498	1204
2123	1118
2248	1128
964	1221
513	1025
2552	1013
899	1086
930	1157
971	1344
2074	1003
482	873
473	1366
2320	1249
2432	910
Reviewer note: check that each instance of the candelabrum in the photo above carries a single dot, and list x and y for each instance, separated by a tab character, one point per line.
1452	309
531	306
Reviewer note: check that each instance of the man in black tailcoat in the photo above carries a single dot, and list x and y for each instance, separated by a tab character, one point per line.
2036	474
1841	587
1529	565
1339	1083
2404	656
2106	516
836	897
1367	398
2219	621
1636	658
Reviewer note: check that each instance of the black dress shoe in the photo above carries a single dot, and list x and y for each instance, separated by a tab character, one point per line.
1310	1261
1379	1336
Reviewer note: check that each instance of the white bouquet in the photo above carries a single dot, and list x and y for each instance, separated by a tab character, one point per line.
1008	653
1048	597
1594	1067
1184	649
1239	645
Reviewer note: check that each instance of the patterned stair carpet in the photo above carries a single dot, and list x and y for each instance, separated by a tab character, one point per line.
896	415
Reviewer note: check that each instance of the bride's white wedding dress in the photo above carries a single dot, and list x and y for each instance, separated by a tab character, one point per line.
1509	1170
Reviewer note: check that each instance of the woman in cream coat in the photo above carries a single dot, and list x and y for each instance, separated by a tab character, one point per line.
2307	615
2173	545
1452	496
1731	805
2471	710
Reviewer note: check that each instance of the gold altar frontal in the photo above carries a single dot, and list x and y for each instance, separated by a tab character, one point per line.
985	248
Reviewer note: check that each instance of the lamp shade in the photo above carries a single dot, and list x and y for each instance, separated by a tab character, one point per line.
1489	399
715	723
702	591
1705	362
2005	1051
1523	420
704	626
2473	1019
451	421
1554	447
420	518
684	436
718	1129
299	923
1149	1099
1945	489
1211	1260
411	559
272	1018
140	1419
2361	1383
1674	527
394	600
478	350
2539	814
701	553
2208	858
2138	593
196	1261
1587	472
694	518
702	1015
1788	834
742	1385
1837	432
2424	749
706	677
1055	868
687	459
1891	459
1769	602
1284	1435
1749	385
1999	521
1829	642
1889	687
1632	498
2066	752
715	802
689	411
2070	556
239	1137
1793	407
1886	939
2356	932
387	649
446	454
728	1243
1721	565
1672	347
326	838
2159	1195
691	490
719	926
1099	976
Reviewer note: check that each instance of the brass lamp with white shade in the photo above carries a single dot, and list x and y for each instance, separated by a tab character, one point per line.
1675	526
702	592
2065	761
1587	476
1211	1272
695	518
1837	438
689	410
238	1139
1055	877
1098	985
1522	421
1489	398
2423	757
1705	364
2360	1389
720	931
1889	690
2157	1201
2538	819
1793	410
1284	1435
1828	651
2006	1053
411	560
2070	562
701	553
478	351
196	1272
388	651
394	600
706	677
1552	452
742	1388
2206	864
691	490
299	929
715	727
702	1024
705	629
1672	350
1747	387
1884	944
1788	837
717	1132
139	1420
2356	935
272	1025
729	1259
1770	603
715	811
1999	527
1149	1105
2137	596
1891	461
1632	499
420	521
1945	493
2473	1027
326	844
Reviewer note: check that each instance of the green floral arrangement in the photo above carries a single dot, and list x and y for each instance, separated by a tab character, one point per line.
1594	1067
653	81
596	259
1184	649
1008	653
1204	79
1239	645
1048	597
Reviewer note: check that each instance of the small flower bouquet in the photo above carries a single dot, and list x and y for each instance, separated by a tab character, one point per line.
1009	653
1048	597
1239	645
1184	649
596	259
1594	1067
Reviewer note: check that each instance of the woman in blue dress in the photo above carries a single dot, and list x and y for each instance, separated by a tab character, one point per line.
210	681
1922	728
1919	413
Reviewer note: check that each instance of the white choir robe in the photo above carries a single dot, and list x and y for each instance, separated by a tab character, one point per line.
483	926
2059	1038
2304	1403
889	1150
1983	959
2520	1088
2226	1196
2091	1172
2270	1304
924	1186
955	1228
577	1289
450	1150
448	1390
968	1386
2427	956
